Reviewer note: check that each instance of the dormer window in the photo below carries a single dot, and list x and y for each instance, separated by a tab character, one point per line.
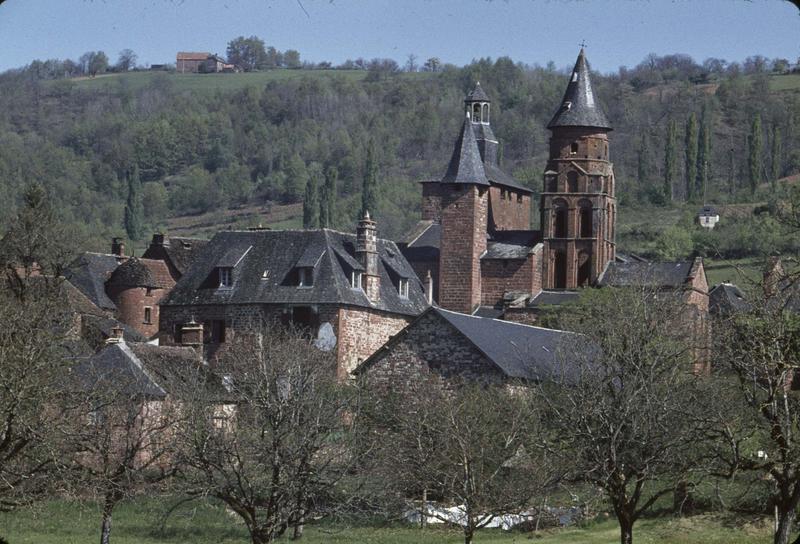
402	287
355	279
305	277
225	277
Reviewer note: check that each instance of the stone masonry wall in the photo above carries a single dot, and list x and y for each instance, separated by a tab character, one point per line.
430	348
509	210
501	275
360	333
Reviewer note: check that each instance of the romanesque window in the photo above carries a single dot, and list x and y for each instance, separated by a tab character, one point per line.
585	218
560	269
485	116
572	182
476	113
560	219
573	148
148	315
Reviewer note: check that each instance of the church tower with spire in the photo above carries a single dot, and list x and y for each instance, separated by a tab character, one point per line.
578	208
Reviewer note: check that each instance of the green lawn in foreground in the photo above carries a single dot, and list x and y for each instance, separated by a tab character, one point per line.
200	523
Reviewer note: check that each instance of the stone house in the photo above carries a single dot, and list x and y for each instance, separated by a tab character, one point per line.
194	62
453	348
349	292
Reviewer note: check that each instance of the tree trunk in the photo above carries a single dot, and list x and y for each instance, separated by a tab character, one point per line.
424	509
786	519
105	526
469	533
299	526
625	530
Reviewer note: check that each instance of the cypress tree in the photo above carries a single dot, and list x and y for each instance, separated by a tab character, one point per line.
643	165
755	152
311	203
732	170
703	151
690	151
369	190
134	209
777	151
327	204
669	158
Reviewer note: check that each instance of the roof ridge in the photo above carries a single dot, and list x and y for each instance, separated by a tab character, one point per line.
505	321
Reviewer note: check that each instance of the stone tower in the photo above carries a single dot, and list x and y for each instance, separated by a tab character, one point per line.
464	201
578	208
367	255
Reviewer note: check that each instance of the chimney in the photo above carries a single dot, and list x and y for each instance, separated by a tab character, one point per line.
117	247
192	334
429	287
117	335
158	239
367	255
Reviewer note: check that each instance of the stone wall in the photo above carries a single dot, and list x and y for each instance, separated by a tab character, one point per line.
501	275
509	209
131	303
430	348
431	201
360	333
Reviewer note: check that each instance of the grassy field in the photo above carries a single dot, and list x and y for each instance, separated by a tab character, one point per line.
142	522
788	82
216	82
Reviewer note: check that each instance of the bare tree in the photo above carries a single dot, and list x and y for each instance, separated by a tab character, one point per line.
127	60
411	63
618	418
753	417
469	447
280	456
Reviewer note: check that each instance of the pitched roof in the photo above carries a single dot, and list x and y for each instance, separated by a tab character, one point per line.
518	351
190	55
117	368
662	274
511	244
466	164
579	108
497	177
89	273
726	299
179	251
263	276
553	298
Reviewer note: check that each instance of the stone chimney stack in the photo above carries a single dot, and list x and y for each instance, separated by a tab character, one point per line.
158	240
367	255
117	247
117	335
429	287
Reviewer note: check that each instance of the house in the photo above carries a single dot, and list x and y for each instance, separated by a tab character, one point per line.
128	289
349	292
453	348
726	299
202	63
708	217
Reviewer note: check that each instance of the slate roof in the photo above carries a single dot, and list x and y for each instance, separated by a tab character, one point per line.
726	299
180	251
423	242
136	272
661	274
89	273
96	329
477	94
511	244
497	177
579	108
117	367
278	253
554	298
466	164
519	351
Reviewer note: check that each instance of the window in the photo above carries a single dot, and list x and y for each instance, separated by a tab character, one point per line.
585	218
149	292
476	113
560	219
305	277
355	279
572	182
519	198
402	287
225	277
148	315
573	148
560	270
485	118
502	194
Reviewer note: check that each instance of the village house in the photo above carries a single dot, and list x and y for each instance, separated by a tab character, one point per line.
350	293
201	63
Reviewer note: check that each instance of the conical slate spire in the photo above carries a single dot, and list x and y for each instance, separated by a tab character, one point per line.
579	107
477	94
466	165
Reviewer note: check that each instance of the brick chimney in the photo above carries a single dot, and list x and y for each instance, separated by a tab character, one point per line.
367	255
117	247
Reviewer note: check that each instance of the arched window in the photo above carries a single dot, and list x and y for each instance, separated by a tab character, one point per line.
560	219
476	113
550	184
572	182
560	269
486	113
584	269
585	218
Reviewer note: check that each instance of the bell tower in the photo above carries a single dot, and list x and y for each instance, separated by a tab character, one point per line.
477	107
578	207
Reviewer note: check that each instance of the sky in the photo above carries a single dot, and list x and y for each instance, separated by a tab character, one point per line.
616	32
